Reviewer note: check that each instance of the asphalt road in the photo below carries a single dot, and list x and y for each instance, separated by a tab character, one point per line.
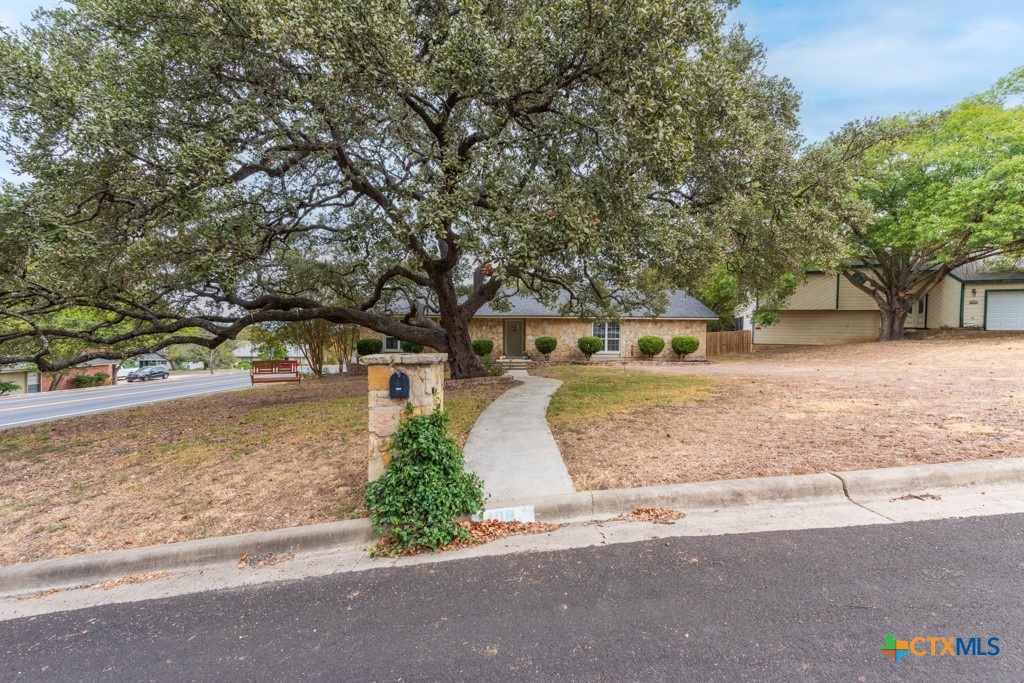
43	407
812	605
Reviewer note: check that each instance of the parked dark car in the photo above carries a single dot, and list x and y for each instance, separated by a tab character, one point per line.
147	373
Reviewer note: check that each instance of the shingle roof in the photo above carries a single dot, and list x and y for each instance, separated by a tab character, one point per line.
970	273
680	305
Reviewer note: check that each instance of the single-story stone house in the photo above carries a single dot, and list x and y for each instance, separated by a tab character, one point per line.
514	331
829	309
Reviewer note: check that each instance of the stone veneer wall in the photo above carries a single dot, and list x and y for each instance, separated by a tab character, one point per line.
568	331
426	390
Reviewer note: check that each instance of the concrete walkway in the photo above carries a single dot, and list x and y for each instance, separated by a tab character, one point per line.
511	447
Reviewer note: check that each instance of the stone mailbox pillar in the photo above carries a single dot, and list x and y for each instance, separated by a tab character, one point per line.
425	372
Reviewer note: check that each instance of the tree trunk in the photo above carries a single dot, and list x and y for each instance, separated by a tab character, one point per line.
893	320
463	361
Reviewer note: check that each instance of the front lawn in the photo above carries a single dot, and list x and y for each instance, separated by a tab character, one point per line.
616	402
269	457
952	396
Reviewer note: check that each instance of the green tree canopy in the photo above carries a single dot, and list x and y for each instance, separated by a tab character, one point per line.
211	166
937	192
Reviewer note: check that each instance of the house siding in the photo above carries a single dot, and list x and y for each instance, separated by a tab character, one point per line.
974	304
19	377
818	328
817	293
944	304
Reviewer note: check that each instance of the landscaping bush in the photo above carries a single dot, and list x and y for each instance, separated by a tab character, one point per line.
369	346
8	387
494	367
684	346
590	345
483	347
425	488
546	345
650	346
410	347
83	381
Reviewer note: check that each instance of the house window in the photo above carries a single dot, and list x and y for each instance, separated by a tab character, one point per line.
608	333
392	343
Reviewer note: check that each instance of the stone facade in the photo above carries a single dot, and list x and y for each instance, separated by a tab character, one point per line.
426	390
569	330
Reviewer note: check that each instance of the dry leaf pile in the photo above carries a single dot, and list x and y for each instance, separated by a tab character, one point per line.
654	515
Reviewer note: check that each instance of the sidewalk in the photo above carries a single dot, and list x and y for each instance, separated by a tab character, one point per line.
511	447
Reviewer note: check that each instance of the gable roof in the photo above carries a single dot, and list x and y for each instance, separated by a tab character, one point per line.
680	305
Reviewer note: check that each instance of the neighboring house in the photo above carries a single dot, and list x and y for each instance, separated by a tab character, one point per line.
514	332
67	381
25	376
829	309
247	353
149	359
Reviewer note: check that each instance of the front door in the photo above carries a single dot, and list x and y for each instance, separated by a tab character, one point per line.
515	338
916	316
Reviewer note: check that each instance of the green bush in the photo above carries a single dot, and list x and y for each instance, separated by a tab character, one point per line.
495	368
83	381
546	345
245	365
590	345
650	346
483	347
416	504
684	346
410	347
369	346
8	387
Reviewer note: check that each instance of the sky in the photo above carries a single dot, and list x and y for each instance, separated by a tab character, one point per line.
854	59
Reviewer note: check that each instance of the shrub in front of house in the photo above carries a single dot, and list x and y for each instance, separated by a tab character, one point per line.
589	346
492	366
369	346
650	346
546	345
8	387
684	346
410	347
483	347
426	487
84	381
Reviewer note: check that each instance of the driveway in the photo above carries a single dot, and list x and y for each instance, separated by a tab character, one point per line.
953	397
33	408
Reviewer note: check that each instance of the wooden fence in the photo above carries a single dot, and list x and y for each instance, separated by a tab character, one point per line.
722	343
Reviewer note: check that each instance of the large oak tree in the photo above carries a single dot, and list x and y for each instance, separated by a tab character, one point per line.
197	167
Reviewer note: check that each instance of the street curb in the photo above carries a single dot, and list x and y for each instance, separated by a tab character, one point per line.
91	568
833	487
864	485
589	505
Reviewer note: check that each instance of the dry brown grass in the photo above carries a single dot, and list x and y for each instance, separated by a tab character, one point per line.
270	457
796	411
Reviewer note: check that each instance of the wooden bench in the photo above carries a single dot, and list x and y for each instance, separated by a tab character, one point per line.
264	371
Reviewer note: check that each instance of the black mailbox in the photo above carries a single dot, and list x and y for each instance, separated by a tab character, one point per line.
399	385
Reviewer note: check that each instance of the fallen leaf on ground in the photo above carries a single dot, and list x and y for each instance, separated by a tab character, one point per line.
923	496
134	578
654	515
265	560
40	594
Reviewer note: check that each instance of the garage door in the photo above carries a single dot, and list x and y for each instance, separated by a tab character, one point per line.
1005	311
